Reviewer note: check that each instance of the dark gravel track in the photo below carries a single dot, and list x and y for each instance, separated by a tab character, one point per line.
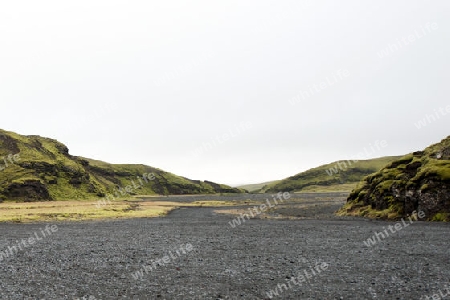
96	260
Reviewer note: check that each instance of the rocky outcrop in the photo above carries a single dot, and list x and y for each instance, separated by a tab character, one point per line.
30	190
417	181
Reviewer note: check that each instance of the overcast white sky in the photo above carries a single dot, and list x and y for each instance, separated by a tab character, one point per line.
154	82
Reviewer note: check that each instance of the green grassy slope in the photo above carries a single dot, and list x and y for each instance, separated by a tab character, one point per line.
336	176
417	181
44	170
257	187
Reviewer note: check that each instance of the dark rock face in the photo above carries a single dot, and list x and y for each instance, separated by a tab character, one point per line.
433	202
8	144
27	191
418	181
40	167
435	199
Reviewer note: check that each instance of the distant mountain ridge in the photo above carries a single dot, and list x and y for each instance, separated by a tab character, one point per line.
34	168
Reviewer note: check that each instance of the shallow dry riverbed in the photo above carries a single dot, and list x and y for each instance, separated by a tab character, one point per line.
99	260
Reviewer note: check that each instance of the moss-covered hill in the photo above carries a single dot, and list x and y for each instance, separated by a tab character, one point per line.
258	187
36	168
417	181
337	176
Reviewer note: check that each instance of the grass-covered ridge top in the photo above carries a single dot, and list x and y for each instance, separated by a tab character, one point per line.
334	177
416	181
44	170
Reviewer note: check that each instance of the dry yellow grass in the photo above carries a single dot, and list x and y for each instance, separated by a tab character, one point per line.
93	210
80	210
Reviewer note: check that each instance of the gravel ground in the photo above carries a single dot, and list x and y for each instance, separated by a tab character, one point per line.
202	257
